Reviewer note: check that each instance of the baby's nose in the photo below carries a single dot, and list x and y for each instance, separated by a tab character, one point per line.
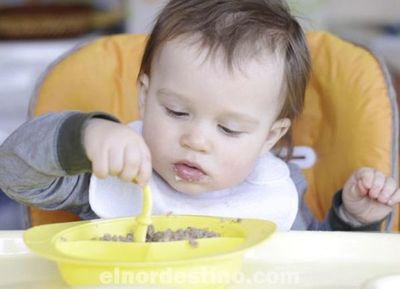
195	140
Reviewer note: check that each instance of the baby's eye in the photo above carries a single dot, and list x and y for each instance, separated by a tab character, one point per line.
175	113
229	132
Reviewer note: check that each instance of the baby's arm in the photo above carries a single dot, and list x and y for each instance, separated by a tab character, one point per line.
43	163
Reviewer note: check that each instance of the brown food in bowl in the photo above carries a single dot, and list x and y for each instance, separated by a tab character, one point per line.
191	234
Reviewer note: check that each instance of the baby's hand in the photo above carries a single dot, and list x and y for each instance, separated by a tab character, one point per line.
369	195
116	150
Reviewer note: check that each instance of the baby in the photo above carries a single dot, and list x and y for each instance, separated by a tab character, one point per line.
217	91
219	85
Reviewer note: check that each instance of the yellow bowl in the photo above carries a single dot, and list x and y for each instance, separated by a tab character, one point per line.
213	263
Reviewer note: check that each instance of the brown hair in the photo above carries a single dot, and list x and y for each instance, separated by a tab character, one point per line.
239	28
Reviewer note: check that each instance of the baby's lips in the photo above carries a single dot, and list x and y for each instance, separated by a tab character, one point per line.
188	173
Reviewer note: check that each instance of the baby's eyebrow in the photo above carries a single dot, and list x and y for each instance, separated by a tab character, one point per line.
168	92
241	117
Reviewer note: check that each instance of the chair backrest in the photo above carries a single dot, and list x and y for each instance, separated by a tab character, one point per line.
350	117
349	120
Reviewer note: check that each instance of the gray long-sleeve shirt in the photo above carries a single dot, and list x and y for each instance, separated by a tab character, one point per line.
43	164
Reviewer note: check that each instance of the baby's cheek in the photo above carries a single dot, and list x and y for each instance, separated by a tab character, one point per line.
235	172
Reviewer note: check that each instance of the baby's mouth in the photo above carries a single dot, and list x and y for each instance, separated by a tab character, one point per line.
188	171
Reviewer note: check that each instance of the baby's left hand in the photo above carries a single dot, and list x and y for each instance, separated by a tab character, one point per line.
369	195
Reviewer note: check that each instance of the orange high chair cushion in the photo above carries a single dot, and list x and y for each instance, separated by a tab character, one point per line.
99	76
347	118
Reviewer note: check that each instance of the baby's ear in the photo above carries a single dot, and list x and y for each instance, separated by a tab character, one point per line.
277	131
143	89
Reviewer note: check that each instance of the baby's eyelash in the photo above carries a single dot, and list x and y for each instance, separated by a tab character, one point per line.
229	132
175	113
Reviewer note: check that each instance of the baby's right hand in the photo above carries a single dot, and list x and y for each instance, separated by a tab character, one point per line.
116	150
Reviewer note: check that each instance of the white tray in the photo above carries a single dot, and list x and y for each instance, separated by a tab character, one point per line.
320	260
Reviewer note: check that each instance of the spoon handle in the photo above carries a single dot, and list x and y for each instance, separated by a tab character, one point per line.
144	219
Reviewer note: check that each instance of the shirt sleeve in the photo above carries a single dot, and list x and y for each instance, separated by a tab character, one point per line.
43	163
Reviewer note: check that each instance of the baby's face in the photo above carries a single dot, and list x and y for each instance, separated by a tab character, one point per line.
205	125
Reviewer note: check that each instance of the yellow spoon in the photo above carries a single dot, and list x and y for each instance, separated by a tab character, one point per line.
144	219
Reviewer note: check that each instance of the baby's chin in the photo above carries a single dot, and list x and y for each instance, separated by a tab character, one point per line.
189	188
194	189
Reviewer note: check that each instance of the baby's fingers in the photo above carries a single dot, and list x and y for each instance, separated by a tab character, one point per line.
387	191
145	169
115	161
132	159
377	185
363	191
100	164
365	176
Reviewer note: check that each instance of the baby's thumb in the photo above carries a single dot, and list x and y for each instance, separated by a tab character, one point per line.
354	193
362	190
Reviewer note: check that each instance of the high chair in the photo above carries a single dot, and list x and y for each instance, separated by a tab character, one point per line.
349	119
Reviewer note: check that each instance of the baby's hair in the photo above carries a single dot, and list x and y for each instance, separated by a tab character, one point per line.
241	29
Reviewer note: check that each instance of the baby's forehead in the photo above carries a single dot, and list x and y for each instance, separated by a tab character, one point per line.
183	67
192	51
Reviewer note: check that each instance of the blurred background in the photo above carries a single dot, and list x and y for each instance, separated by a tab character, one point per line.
34	33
